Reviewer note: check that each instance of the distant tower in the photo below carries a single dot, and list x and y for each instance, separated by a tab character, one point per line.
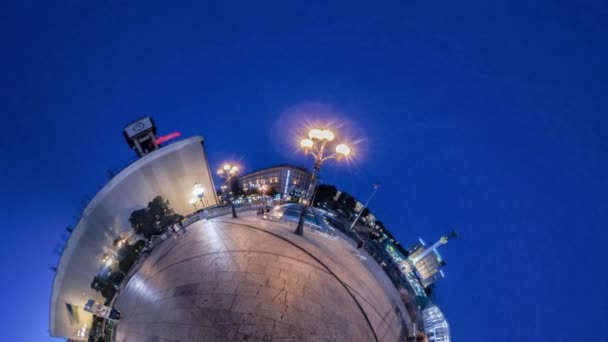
141	136
427	261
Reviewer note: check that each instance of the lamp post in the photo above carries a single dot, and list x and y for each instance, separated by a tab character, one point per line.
199	192
376	186
227	172
315	146
193	202
264	187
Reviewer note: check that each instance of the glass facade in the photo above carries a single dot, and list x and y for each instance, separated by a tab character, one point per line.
436	326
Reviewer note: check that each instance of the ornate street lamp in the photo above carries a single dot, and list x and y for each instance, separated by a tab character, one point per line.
227	172
315	145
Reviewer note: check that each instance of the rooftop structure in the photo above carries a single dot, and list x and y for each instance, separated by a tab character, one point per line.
141	136
427	262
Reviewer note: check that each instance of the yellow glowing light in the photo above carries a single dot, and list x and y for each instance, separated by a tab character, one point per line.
227	167
315	133
193	200
343	149
234	169
306	143
108	261
198	190
327	135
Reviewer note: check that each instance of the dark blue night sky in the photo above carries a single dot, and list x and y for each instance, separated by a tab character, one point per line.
489	117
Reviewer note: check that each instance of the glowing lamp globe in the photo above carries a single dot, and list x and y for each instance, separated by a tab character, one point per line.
306	143
315	133
343	150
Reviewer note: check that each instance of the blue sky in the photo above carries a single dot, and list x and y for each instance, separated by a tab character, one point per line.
489	117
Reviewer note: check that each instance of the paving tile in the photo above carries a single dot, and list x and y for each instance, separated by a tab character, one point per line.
225	282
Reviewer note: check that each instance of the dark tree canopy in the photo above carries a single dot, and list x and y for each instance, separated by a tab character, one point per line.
236	187
325	194
347	201
271	191
153	219
365	212
129	254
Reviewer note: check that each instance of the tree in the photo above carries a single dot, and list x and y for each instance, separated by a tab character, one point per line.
236	187
159	207
103	285
365	212
153	219
142	222
346	205
270	191
252	191
128	255
347	201
325	194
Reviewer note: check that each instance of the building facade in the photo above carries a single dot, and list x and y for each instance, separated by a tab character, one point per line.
287	180
436	327
427	262
170	172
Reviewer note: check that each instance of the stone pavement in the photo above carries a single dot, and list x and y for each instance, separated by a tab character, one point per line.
248	279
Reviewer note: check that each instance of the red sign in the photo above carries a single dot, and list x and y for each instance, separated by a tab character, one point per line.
167	137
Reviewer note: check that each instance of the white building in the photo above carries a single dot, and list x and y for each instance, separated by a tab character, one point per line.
170	172
287	180
436	327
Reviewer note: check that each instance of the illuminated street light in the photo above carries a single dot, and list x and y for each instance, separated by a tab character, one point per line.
193	202
227	172
327	135
199	192
307	143
343	150
315	145
315	133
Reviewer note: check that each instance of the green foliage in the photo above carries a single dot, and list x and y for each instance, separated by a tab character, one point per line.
153	219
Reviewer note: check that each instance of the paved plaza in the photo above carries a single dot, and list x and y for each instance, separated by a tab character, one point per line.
250	279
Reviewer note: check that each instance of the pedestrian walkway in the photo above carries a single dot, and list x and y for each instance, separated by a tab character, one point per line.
249	279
